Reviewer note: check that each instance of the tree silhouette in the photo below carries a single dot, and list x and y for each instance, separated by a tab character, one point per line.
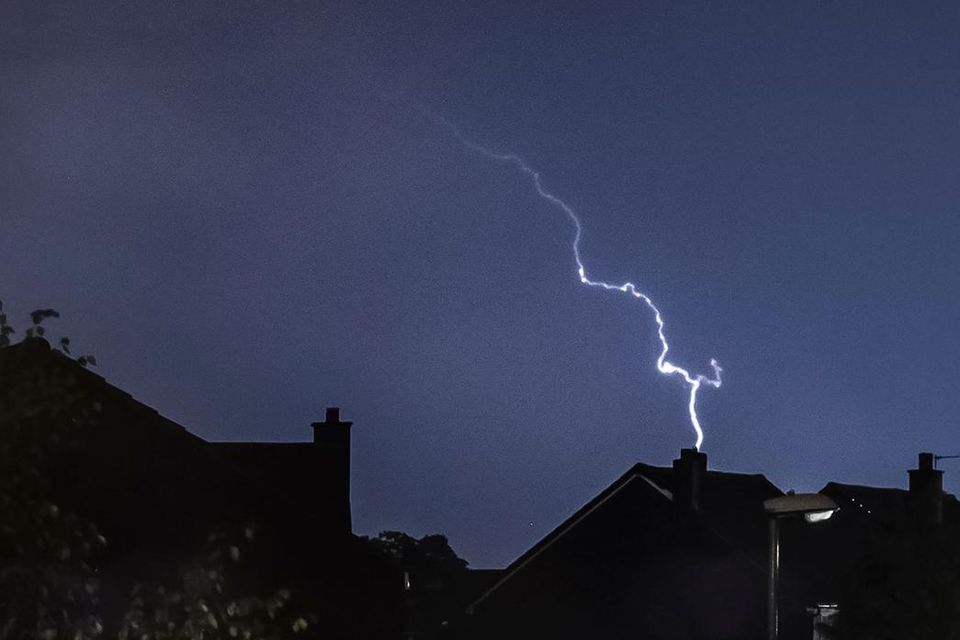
426	561
49	588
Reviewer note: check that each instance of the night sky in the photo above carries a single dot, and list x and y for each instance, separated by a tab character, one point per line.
247	214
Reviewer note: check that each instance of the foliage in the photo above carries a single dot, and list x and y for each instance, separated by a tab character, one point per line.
37	330
5	329
49	588
425	561
203	603
37	316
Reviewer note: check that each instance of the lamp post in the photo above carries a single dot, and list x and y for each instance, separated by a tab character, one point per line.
814	508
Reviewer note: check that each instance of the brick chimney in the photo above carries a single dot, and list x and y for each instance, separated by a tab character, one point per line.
926	492
688	472
332	440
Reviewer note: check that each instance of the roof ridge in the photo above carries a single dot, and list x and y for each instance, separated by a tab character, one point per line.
560	530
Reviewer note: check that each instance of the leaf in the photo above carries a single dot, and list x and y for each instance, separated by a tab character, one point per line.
39	315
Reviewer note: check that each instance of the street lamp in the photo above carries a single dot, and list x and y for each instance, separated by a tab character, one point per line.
814	508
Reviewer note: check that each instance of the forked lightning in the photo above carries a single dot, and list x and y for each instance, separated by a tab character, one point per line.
693	382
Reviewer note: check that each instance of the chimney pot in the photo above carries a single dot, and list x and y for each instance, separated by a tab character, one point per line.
332	428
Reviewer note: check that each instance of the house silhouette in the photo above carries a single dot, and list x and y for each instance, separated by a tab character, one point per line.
156	491
819	561
642	560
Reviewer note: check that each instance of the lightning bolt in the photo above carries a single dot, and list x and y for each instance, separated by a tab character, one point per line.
664	366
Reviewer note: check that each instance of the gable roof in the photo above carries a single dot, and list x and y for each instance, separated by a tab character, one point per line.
156	491
154	485
731	505
731	510
881	505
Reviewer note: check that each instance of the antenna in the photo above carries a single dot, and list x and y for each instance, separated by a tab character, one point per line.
937	459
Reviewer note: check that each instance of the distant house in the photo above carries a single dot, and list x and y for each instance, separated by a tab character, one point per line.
157	491
818	561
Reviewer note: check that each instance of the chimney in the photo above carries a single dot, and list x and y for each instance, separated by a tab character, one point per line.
332	440
926	492
688	472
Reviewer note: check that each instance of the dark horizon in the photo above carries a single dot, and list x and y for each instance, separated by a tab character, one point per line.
242	211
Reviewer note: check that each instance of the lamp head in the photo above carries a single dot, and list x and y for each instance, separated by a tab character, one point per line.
817	516
814	507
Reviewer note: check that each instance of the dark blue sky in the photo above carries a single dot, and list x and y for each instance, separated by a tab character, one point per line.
242	212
